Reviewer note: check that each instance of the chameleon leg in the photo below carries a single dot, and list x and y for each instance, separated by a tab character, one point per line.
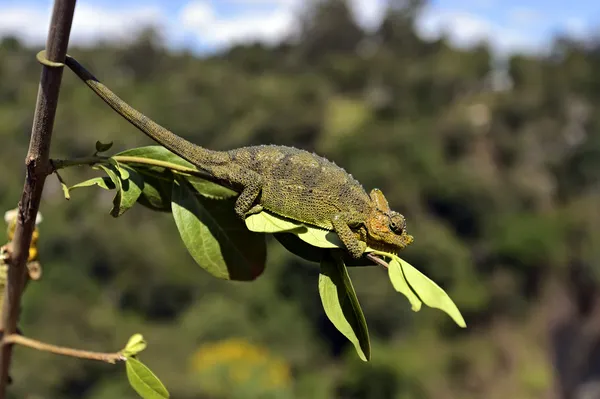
246	203
340	223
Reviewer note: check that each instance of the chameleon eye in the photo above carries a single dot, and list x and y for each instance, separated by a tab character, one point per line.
397	224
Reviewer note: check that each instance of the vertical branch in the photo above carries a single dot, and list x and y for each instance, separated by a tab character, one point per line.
37	168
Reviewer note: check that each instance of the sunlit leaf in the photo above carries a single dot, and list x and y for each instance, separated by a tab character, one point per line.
209	189
143	380
65	190
430	293
103	182
341	304
112	173
215	237
128	191
135	345
156	152
264	222
401	285
204	187
320	238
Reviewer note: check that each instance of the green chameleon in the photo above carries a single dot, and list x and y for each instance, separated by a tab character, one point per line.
286	181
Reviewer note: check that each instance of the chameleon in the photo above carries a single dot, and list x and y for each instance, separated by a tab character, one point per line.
287	181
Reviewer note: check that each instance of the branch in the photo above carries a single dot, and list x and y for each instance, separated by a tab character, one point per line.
61	350
37	168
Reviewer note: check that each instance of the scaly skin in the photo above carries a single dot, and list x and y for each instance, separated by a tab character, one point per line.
287	181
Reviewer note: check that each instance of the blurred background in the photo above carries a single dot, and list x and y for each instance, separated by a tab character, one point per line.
478	119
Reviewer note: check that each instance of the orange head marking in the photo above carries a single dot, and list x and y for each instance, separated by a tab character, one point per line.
386	229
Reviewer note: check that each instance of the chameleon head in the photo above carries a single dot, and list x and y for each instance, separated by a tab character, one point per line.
386	229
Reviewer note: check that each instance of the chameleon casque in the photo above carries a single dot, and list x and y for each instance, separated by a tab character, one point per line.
286	181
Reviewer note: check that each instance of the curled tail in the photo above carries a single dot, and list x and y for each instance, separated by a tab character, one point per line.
199	156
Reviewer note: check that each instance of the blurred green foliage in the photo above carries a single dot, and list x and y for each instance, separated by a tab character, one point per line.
499	182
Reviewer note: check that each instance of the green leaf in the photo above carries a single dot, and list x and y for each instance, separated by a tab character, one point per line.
135	345
341	304
123	171
215	237
209	189
264	222
103	182
320	238
156	194
156	152
128	191
401	285
65	190
103	147
430	293
298	247
204	187
131	188
143	380
295	245
112	173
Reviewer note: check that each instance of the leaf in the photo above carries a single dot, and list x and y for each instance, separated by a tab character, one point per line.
65	190
128	191
156	152
203	186
103	182
209	189
143	380
300	248
114	177
430	293
401	285
264	222
135	345
131	188
103	147
320	238
215	237
156	194
341	304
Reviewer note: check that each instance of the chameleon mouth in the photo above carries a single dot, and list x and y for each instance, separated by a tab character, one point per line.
406	240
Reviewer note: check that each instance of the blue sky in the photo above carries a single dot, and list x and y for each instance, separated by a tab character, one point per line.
208	24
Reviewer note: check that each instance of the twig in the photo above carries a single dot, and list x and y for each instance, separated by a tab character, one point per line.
37	168
377	260
61	350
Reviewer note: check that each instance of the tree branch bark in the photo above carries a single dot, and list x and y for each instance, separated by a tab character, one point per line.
37	168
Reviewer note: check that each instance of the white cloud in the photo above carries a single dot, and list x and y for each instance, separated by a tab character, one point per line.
467	29
369	13
90	23
202	22
200	19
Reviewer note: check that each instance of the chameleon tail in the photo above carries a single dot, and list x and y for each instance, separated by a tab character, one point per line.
199	156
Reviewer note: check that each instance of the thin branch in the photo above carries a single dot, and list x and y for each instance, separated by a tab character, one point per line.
58	164
377	260
37	168
61	350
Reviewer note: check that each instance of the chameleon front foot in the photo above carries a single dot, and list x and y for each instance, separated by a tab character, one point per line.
355	247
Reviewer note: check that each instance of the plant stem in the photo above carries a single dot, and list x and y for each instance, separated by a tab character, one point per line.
377	260
61	350
37	168
65	163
